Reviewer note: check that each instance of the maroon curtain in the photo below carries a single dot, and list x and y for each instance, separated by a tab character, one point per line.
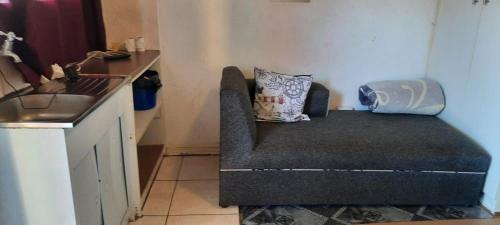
54	31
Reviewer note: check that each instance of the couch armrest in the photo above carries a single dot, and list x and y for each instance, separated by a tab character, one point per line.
238	132
318	100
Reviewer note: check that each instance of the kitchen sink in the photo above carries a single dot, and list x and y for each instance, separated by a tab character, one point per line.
60	103
44	107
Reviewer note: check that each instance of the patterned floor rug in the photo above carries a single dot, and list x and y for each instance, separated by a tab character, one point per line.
338	215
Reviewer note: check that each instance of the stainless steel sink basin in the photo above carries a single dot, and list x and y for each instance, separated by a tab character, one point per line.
44	107
58	104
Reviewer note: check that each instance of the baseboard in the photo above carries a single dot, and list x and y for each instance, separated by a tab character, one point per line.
192	150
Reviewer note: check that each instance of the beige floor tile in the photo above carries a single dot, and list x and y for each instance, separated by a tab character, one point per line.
159	198
204	220
198	197
199	168
169	168
150	220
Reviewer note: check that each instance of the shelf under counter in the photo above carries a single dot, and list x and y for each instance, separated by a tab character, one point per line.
144	118
150	158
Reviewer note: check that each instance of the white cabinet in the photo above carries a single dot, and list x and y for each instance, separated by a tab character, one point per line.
98	181
97	153
465	59
86	191
86	175
112	175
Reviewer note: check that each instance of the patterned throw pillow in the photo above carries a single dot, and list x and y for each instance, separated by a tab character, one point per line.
280	97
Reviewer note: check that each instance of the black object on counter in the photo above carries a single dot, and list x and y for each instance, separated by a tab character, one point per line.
114	55
71	71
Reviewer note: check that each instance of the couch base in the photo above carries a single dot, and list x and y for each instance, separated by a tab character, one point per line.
349	188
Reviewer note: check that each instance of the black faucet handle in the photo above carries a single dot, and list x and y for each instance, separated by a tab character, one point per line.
71	71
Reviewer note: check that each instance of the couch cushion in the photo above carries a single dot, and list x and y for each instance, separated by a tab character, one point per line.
354	140
280	97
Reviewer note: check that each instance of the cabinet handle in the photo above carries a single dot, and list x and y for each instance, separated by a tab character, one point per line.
474	2
486	2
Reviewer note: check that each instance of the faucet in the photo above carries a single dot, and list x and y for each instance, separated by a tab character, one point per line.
8	44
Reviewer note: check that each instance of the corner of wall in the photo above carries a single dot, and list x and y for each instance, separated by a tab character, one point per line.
490	203
433	34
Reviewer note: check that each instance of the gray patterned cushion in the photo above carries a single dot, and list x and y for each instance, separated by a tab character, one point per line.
280	97
421	97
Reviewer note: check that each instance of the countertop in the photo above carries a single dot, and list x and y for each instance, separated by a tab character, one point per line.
97	88
133	66
130	69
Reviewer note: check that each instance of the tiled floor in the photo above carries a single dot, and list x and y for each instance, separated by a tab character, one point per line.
185	192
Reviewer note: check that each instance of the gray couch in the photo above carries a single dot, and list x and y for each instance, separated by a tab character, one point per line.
345	157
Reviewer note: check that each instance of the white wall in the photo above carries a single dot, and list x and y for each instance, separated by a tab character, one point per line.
344	43
125	19
465	60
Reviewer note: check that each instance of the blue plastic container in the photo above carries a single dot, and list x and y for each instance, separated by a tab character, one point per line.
144	99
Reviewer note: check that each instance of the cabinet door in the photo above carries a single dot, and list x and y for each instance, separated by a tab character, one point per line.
452	52
112	174
86	193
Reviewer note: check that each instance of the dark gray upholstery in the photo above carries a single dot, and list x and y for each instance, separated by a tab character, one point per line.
356	157
348	188
238	131
364	140
317	101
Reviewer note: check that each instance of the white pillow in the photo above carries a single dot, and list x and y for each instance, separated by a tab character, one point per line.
280	97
